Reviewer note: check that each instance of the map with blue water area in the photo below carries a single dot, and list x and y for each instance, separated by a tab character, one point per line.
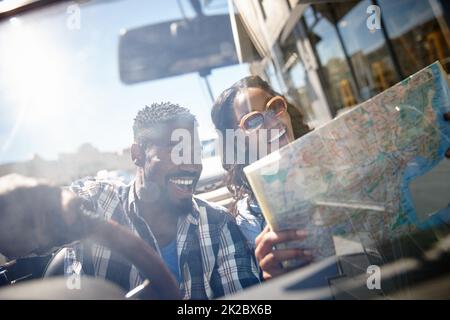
353	174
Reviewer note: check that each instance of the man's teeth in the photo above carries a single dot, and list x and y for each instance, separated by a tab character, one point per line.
182	181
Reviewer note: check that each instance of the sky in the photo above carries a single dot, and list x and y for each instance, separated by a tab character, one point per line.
60	84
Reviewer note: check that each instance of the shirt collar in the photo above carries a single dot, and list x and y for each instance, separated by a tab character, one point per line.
194	215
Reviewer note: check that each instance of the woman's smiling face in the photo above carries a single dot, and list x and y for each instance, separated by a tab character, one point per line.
255	99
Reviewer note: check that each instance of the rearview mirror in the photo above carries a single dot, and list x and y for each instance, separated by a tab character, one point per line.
176	47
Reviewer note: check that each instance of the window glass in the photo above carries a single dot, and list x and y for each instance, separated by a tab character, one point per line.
367	51
338	82
309	16
418	32
296	78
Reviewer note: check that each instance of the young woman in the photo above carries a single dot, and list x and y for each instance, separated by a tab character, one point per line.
250	105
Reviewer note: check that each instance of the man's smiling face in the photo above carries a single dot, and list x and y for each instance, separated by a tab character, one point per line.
175	182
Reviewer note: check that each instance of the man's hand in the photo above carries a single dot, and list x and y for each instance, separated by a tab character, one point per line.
33	215
270	259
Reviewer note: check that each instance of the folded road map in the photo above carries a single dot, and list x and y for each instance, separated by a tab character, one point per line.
355	175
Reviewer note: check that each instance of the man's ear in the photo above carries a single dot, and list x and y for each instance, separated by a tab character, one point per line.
137	155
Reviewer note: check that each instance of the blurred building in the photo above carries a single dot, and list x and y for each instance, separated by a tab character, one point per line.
324	57
87	161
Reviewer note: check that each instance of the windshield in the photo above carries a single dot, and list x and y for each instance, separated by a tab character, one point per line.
331	148
61	96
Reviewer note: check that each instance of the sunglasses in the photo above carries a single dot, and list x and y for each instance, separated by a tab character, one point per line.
253	121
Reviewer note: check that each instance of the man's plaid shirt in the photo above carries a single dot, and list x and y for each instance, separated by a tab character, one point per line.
213	255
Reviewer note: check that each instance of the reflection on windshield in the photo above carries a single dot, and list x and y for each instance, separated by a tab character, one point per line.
60	88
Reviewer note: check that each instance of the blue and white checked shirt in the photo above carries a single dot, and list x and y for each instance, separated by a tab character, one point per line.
213	255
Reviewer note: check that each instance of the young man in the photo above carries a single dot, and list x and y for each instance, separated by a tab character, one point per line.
200	243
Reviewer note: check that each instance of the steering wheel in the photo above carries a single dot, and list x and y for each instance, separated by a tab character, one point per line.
160	283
